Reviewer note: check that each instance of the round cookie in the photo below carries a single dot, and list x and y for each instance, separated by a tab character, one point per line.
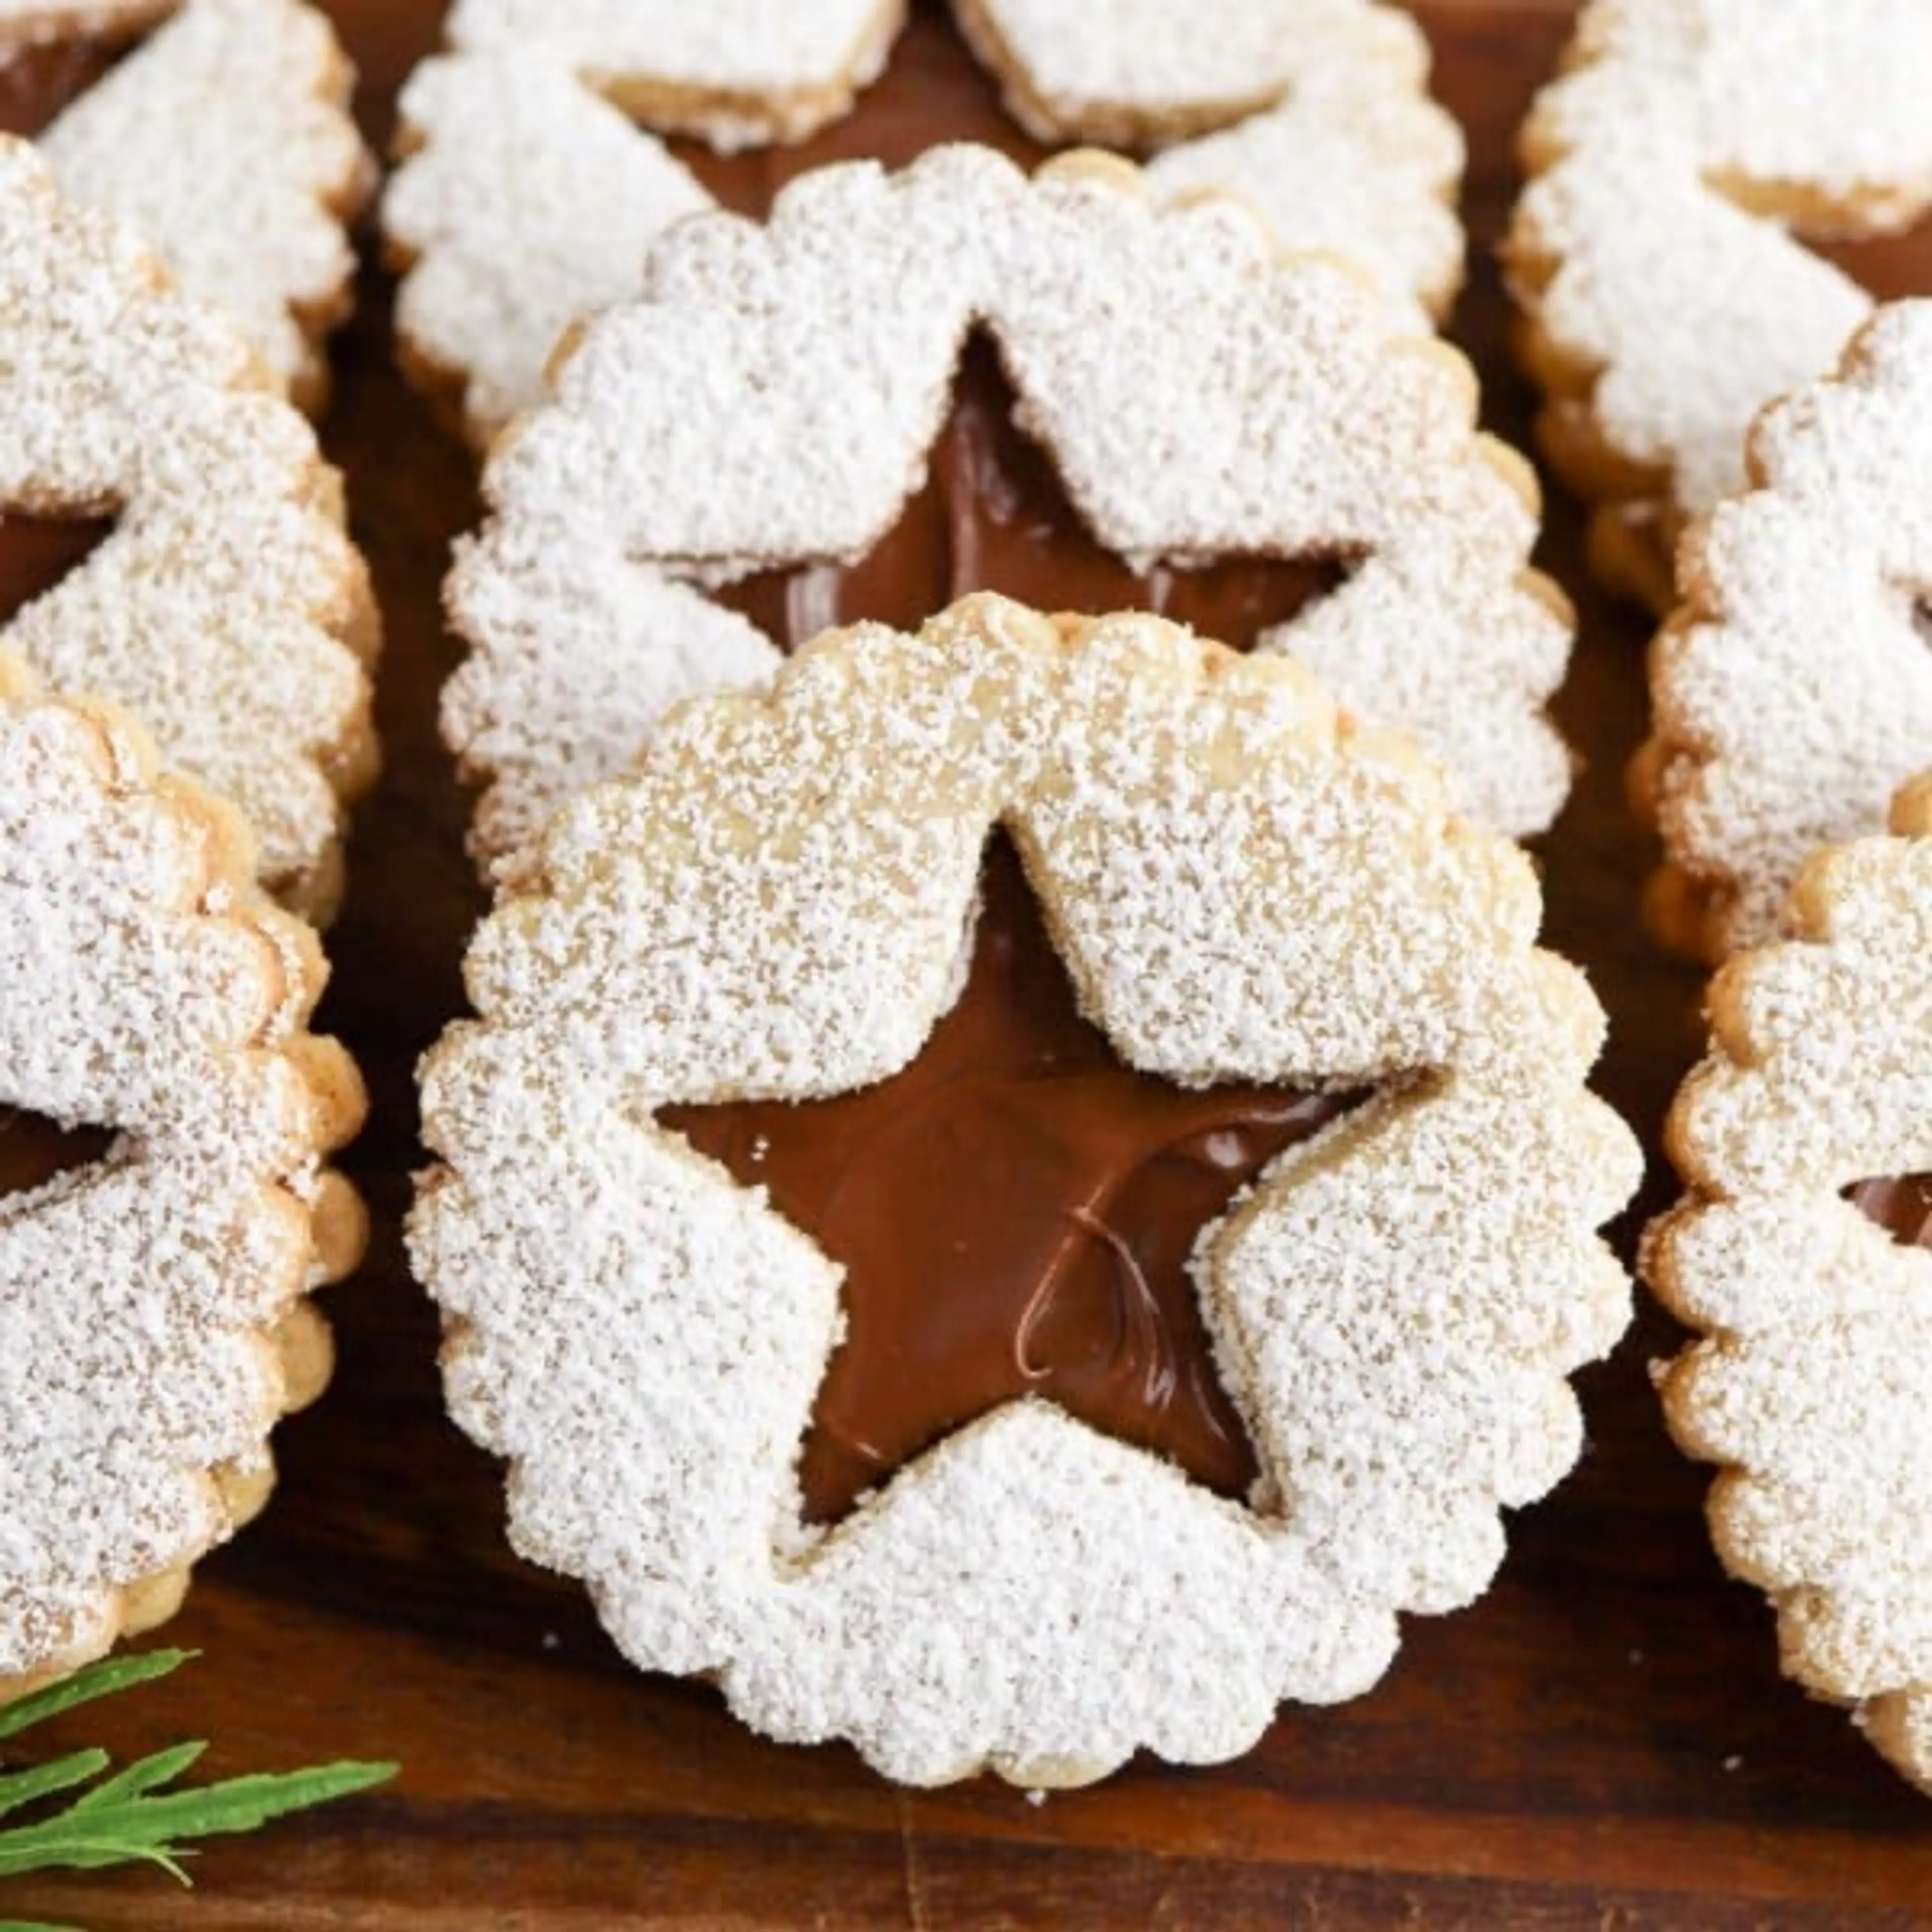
152	1322
783	904
1792	690
1200	397
227	609
1658	256
527	196
1801	1256
225	141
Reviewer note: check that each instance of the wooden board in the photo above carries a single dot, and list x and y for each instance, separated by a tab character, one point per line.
1604	1742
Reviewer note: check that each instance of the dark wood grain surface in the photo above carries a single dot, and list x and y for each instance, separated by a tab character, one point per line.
1603	1742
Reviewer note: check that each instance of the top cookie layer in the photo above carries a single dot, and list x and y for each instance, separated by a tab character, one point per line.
1200	396
1811	1388
1793	691
529	197
148	990
227	611
1668	300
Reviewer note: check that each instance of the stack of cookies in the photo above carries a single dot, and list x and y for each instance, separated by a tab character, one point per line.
1019	1189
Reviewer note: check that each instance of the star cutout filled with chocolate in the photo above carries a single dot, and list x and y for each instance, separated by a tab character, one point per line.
1015	1212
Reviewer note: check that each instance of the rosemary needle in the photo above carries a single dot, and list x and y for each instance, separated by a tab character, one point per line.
83	1815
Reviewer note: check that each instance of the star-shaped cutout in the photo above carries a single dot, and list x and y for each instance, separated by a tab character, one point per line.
1015	1212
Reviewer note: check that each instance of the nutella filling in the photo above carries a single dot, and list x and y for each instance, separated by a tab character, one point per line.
1901	1205
36	553
38	82
34	1150
1015	1212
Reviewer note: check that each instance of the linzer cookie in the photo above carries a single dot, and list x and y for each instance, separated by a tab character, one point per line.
152	1271
767	431
224	141
1804	1256
1793	689
224	606
1659	254
1013	1304
530	194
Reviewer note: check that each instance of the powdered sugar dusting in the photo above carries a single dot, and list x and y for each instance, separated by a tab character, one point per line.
531	203
138	1295
1654	251
223	608
1793	691
1811	1388
226	143
772	905
529	198
1200	396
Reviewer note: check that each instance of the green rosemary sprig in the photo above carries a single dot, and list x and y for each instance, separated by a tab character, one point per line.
83	1815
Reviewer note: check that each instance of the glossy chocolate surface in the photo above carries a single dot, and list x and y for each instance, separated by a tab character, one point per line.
1902	1206
36	553
1015	1211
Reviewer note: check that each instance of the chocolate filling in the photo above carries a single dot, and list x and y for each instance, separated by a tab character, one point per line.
34	1150
37	83
1890	267
1901	1205
36	553
1015	1212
